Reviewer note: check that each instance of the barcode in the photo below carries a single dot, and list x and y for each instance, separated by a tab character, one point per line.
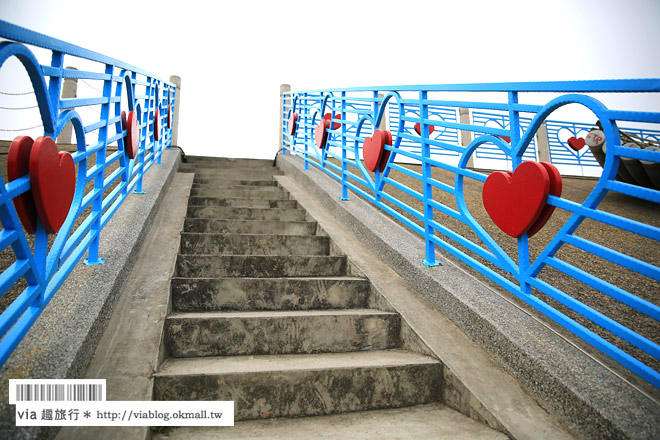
72	390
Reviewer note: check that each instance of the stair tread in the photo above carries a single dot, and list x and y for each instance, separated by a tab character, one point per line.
218	365
421	422
278	313
336	278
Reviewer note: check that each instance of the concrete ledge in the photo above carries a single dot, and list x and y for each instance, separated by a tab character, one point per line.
63	340
590	399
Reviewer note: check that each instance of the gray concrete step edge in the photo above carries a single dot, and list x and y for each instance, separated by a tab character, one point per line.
390	257
422	422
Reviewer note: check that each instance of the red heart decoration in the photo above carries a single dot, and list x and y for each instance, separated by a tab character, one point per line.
169	116
53	178
373	150
293	123
507	139
576	143
132	135
328	117
514	201
157	125
418	129
321	134
18	165
555	190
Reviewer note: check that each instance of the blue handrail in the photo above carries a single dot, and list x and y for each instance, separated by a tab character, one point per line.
468	124
101	145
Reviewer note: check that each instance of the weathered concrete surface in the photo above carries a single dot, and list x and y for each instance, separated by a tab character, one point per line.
259	266
252	181
129	350
220	191
424	422
257	244
228	162
280	332
297	385
215	294
227	185
242	203
63	339
234	173
293	215
236	226
474	382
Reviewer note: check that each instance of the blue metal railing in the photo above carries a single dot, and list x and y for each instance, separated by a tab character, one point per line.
105	172
442	213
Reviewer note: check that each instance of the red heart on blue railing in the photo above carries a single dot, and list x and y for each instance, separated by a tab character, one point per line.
169	116
321	134
293	123
514	201
576	143
328	116
555	190
157	125
132	135
373	150
18	165
53	178
418	129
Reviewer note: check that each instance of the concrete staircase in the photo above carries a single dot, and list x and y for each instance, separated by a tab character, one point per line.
267	312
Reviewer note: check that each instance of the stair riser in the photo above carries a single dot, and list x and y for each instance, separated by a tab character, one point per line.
195	337
211	180
248	227
240	187
309	392
191	266
227	163
243	203
234	173
224	212
208	295
230	244
238	194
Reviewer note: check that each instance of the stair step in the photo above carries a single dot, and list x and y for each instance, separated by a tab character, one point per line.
422	422
228	212
253	244
220	180
280	332
221	185
304	385
243	203
239	194
228	162
233	226
259	266
234	173
215	294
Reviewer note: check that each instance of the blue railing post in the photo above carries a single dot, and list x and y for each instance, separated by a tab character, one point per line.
344	187
429	261
309	128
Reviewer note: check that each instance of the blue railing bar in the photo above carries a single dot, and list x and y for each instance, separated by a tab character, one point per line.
459	126
595	316
607	288
638	153
88	199
93	171
633	116
18	307
67	265
75	74
115	137
14	336
634	191
412	193
619	258
526	108
353	187
23	35
470	245
644	85
108	181
409	154
355	177
446	210
107	216
590	337
446	146
79	156
141	98
78	235
403	219
442	186
12	274
118	154
7	237
406	171
15	188
69	103
95	126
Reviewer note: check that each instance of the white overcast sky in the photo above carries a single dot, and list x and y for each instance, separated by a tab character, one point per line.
232	56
